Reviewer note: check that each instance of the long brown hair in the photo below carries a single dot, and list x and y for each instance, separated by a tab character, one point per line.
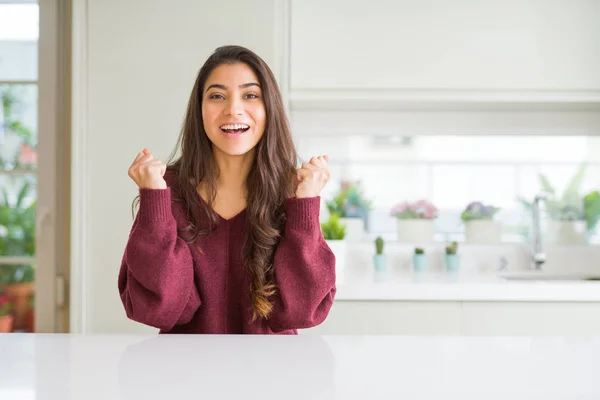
269	183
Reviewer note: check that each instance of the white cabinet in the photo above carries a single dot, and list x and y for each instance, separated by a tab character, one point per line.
466	50
390	318
454	318
520	318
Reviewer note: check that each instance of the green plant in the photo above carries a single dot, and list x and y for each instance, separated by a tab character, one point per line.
333	229
11	108
10	102
379	245
17	235
349	202
419	250
5	306
569	206
591	206
452	248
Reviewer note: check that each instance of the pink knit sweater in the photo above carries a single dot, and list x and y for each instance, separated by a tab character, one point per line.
166	283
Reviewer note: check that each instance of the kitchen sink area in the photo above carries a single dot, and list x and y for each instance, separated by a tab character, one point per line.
548	276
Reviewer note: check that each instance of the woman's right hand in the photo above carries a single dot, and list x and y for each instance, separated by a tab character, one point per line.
147	172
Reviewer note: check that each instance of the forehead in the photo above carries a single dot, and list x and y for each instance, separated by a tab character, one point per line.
231	75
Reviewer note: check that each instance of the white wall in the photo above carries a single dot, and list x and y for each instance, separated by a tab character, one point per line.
135	64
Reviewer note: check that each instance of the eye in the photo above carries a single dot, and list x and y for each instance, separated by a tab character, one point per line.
216	96
251	96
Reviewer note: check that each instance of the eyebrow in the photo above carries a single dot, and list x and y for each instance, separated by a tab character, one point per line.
223	87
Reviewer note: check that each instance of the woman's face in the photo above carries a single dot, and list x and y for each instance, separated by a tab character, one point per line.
233	109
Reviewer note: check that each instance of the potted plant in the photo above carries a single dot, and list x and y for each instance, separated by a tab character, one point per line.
31	314
379	258
480	226
419	259
334	232
415	221
6	319
20	288
591	205
17	238
352	207
452	259
568	223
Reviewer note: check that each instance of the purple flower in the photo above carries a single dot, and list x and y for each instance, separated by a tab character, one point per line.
421	209
478	210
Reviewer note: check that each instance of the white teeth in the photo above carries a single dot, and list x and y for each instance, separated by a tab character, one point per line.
234	126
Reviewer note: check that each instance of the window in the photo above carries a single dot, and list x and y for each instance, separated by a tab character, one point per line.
454	171
19	26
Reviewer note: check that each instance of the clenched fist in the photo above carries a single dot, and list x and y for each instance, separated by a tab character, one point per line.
147	172
312	177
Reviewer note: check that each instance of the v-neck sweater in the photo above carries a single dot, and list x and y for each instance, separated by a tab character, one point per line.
170	284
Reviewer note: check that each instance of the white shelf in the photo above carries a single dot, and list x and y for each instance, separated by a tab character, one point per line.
450	100
369	286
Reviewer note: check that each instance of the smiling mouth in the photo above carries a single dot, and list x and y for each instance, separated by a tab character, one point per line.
234	128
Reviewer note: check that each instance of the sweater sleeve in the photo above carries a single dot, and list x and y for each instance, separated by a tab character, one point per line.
156	279
304	268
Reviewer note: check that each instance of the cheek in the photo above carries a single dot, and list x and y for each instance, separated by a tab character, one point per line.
259	115
208	114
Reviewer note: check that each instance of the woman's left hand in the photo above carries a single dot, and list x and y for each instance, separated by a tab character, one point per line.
312	177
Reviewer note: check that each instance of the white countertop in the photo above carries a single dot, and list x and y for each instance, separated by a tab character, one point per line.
366	284
73	367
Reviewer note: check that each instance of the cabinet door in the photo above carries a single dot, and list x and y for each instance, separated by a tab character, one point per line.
407	45
390	318
518	318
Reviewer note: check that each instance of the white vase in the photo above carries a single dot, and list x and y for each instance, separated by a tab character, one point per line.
355	229
483	231
415	230
565	232
339	248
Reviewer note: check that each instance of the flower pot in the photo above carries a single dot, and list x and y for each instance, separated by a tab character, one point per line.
483	231
19	294
419	262
565	232
30	327
355	229
338	247
380	261
452	262
6	323
415	230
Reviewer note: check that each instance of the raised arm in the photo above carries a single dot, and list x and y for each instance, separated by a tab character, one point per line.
304	268
156	280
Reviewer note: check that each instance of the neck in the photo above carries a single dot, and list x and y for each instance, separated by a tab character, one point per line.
233	171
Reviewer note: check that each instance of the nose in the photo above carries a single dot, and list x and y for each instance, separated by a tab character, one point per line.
234	107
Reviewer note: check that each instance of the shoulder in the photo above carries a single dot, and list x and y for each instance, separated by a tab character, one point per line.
178	202
171	177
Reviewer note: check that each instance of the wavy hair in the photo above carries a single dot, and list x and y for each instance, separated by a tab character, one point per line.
269	183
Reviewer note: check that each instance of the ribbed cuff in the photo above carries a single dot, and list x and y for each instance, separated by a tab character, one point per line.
155	205
303	214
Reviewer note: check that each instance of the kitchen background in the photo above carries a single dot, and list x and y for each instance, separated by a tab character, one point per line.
435	104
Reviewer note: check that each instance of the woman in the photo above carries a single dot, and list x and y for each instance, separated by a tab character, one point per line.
227	237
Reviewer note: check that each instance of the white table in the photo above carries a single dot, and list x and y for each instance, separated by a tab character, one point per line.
88	367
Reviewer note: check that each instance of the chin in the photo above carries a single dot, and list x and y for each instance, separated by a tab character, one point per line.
235	150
